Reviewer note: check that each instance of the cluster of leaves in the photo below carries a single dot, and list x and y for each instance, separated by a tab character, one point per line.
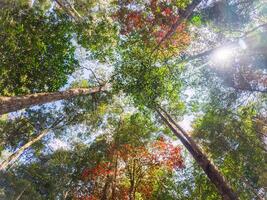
126	163
96	30
152	20
13	132
36	50
120	168
147	78
133	168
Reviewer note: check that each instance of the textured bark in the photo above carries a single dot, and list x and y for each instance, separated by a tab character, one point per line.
18	153
10	104
202	160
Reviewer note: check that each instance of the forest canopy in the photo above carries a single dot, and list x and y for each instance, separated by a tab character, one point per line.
133	100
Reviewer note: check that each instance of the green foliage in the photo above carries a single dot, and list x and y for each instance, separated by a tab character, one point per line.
233	142
13	132
37	54
98	37
146	77
196	20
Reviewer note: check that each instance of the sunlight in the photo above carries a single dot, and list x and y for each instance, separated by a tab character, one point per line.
222	55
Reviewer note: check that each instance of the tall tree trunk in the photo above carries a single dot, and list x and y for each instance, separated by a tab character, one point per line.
105	192
10	104
69	9
213	174
13	157
21	193
114	181
132	183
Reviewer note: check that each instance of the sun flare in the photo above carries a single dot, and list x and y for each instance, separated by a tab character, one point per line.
222	55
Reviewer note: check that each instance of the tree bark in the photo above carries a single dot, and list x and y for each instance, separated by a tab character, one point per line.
105	191
114	181
21	193
10	104
13	157
71	11
202	160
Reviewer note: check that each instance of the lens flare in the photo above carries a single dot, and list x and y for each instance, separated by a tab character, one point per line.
222	55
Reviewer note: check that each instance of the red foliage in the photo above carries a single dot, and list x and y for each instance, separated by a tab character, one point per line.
168	154
102	169
160	154
88	197
167	12
152	20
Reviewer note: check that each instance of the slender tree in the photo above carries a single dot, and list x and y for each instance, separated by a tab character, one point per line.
211	171
10	104
14	156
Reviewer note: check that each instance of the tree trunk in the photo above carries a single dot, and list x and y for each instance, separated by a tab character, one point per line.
114	181
69	9
213	174
10	104
21	193
105	192
13	157
132	183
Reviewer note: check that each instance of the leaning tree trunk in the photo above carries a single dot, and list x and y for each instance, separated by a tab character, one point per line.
21	193
202	160
13	157
10	104
69	9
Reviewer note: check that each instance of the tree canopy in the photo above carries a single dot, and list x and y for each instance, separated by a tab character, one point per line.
133	100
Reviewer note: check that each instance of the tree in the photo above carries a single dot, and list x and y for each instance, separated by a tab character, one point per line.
229	131
201	159
37	52
148	47
10	104
41	122
149	80
134	169
104	167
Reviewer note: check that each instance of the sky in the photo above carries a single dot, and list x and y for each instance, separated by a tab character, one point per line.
105	71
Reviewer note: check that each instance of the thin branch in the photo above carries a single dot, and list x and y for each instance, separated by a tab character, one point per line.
210	51
182	18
